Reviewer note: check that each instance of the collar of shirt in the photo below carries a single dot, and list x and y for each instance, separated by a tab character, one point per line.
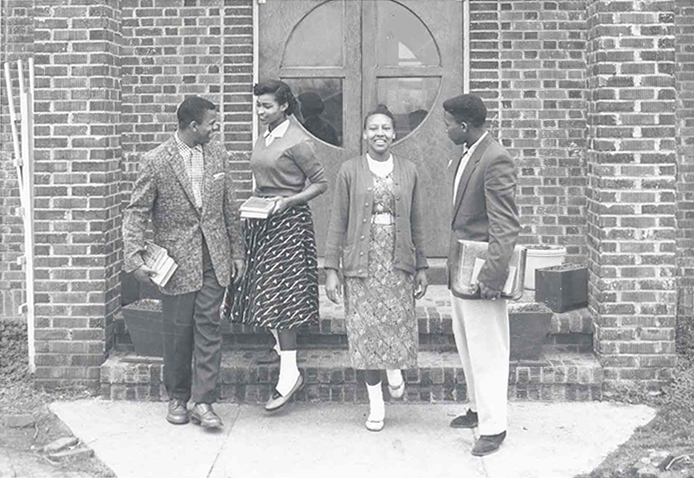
463	162
278	132
472	148
380	168
184	149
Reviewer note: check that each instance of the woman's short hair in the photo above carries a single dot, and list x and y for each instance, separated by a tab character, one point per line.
193	109
467	108
281	91
379	110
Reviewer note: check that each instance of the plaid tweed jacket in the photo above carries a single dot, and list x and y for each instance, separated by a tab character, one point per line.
163	192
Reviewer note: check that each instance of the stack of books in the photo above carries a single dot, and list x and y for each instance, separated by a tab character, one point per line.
157	258
256	208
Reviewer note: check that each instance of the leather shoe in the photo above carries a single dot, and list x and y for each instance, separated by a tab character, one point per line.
469	420
277	400
178	413
269	357
487	444
203	415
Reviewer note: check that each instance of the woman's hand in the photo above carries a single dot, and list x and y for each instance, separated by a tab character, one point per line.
487	293
420	284
332	286
281	205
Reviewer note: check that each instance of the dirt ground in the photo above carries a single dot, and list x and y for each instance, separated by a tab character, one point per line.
20	454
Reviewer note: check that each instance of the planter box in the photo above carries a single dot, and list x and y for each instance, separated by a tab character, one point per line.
563	287
529	326
143	322
539	256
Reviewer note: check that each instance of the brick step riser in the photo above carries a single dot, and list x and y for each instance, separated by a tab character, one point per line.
356	393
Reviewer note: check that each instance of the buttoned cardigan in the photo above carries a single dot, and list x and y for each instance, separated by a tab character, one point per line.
349	235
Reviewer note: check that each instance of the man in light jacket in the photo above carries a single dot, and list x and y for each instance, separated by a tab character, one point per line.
185	187
484	209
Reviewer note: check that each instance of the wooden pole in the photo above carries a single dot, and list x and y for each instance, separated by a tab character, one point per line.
28	177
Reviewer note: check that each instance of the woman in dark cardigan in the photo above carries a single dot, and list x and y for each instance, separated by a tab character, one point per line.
279	289
376	229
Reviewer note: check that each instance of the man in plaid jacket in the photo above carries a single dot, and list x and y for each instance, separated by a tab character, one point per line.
185	187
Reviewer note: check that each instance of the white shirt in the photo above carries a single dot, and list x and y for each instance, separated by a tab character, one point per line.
463	162
380	168
278	132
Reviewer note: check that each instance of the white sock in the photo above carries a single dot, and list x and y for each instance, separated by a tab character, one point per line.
394	377
289	372
276	335
377	410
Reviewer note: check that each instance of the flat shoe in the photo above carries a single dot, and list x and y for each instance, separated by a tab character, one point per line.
277	400
397	392
375	425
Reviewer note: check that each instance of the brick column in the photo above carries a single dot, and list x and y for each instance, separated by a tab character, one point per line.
78	158
631	193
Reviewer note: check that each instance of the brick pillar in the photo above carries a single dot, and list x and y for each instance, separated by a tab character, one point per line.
16	41
684	41
631	193
78	158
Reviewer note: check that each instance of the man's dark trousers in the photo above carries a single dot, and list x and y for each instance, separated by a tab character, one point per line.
191	330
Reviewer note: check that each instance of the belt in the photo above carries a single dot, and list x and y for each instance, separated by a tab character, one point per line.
384	218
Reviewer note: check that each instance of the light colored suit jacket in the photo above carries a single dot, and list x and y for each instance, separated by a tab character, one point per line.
485	209
163	192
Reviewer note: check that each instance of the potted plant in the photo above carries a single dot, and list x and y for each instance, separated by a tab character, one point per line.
529	326
538	256
563	287
143	322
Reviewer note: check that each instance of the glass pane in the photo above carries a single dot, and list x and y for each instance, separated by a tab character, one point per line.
320	107
317	40
409	99
403	40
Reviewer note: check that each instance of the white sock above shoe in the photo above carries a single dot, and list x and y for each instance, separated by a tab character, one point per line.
276	335
377	410
394	377
289	372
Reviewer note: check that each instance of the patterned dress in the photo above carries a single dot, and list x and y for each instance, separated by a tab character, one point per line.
380	318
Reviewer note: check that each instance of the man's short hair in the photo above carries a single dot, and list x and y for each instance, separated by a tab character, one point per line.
193	109
467	108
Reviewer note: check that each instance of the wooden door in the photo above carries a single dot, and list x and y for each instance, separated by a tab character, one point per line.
343	57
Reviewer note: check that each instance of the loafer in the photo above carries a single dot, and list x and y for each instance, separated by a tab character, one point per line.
397	392
487	444
469	420
374	425
178	412
204	415
278	400
269	357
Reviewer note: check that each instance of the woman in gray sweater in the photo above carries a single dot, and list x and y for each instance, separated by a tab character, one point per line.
279	289
376	233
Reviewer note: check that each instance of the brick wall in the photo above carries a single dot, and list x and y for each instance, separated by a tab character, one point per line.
16	41
631	198
78	154
684	55
177	48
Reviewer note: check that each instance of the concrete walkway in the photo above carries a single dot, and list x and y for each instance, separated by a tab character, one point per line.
545	440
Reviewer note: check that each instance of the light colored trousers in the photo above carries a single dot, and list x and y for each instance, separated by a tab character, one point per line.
482	336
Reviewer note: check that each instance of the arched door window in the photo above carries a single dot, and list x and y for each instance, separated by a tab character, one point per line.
401	66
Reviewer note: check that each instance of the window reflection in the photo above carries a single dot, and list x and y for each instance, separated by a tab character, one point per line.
403	40
320	109
318	39
409	99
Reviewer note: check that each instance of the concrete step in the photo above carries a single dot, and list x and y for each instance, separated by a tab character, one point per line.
330	378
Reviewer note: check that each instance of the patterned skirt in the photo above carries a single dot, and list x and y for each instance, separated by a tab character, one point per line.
279	288
380	316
